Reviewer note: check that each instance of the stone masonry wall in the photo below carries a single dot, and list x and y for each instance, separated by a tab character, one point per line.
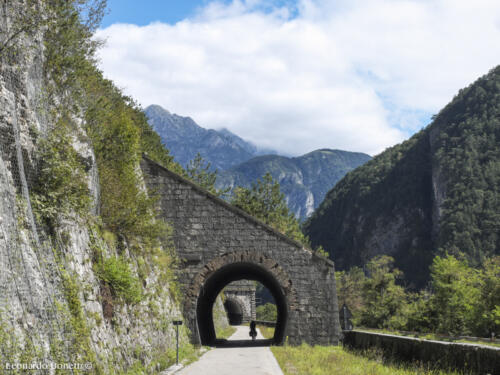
209	233
469	358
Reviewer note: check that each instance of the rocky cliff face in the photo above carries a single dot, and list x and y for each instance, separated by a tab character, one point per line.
55	305
304	180
438	192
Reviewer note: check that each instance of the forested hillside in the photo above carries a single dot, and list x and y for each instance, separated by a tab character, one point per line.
436	193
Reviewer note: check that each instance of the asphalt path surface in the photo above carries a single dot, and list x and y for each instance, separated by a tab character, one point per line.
239	360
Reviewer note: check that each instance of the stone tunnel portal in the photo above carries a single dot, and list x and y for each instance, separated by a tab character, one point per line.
233	272
234	311
217	243
243	294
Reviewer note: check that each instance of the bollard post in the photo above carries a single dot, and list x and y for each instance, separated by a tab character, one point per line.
345	318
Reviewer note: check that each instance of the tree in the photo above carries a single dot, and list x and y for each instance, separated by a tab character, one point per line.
487	310
198	170
28	21
267	312
28	17
265	201
384	299
456	294
350	290
419	312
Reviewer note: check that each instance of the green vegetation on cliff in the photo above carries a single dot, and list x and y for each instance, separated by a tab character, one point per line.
116	256
436	193
61	187
116	272
465	139
115	124
120	134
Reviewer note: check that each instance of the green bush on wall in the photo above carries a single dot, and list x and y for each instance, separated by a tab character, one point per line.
116	272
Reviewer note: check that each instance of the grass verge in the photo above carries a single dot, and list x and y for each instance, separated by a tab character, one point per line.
335	360
267	332
225	333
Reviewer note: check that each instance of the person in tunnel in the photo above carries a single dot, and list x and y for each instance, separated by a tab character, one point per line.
253	330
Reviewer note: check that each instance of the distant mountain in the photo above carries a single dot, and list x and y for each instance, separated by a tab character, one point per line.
304	180
185	138
436	193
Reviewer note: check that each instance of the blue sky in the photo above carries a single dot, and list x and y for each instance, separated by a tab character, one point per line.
168	11
299	75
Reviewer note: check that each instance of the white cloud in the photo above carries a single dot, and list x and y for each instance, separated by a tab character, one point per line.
337	75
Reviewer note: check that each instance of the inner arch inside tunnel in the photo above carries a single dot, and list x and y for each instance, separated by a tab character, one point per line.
234	272
234	311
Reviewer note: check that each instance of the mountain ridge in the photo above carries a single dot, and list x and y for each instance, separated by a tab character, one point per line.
304	179
185	139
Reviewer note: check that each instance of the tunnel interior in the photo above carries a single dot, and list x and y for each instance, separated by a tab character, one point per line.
234	312
227	274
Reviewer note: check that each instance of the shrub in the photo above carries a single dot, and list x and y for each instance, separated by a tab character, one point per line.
116	272
267	312
61	185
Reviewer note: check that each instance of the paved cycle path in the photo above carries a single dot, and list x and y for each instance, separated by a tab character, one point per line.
236	360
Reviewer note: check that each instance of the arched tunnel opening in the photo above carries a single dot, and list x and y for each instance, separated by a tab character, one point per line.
234	312
233	272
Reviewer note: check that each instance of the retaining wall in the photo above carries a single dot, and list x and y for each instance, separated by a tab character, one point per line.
470	358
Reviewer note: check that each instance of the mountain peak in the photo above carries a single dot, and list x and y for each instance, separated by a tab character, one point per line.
155	108
185	138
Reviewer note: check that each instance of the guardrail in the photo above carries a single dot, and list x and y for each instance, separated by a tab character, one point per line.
474	358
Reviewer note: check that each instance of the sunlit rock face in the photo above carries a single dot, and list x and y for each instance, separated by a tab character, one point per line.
304	180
